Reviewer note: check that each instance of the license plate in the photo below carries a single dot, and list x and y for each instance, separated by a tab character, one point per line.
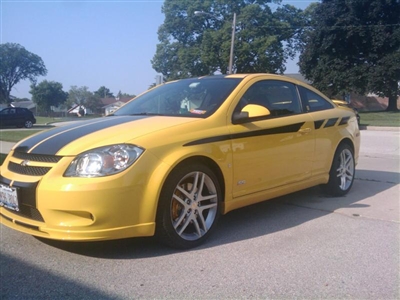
8	197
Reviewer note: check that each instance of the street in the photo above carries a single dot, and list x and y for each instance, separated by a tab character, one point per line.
304	245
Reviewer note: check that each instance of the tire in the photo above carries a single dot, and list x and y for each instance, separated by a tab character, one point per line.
28	124
189	207
341	175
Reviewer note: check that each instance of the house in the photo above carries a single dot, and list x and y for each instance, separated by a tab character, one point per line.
78	110
112	104
25	104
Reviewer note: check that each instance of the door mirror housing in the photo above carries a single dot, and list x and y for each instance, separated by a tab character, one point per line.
250	113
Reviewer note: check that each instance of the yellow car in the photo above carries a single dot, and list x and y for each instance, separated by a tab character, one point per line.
175	158
346	104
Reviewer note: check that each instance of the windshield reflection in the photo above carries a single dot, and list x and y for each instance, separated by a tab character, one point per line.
197	97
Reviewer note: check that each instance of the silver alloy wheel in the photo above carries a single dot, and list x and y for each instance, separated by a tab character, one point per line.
345	170
28	124
194	206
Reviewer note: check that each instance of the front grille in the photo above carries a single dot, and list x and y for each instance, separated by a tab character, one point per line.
27	170
37	157
28	212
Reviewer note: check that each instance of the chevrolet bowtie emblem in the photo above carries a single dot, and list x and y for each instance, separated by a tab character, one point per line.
25	163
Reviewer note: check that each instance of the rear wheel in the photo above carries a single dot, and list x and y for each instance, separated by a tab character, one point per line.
341	175
28	124
188	206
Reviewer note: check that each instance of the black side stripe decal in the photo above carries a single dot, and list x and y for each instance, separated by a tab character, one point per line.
331	122
284	129
318	124
344	120
60	137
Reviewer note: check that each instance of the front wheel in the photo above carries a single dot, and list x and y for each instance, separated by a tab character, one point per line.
341	175
189	206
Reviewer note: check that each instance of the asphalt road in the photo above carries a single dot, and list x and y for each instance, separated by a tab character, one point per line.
301	246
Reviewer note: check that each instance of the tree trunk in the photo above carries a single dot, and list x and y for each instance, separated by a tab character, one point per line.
392	105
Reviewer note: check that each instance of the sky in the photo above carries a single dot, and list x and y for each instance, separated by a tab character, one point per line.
91	43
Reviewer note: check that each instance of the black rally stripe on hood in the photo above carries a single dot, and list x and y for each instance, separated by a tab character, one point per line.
51	132
50	142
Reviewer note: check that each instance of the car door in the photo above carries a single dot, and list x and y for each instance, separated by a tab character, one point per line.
326	120
7	116
20	116
3	116
276	150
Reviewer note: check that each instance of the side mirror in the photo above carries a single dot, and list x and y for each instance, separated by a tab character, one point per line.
251	112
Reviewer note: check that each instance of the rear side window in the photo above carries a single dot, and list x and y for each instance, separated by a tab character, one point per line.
312	101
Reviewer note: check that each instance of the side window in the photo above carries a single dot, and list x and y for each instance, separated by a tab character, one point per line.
278	96
312	101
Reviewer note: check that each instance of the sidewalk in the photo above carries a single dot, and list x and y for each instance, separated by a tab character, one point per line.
5	147
379	128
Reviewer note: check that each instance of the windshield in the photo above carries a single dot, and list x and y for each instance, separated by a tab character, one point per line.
197	97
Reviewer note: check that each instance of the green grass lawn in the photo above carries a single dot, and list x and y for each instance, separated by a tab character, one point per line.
16	135
46	120
2	158
382	119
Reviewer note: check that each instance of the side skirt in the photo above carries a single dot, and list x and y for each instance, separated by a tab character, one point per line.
250	199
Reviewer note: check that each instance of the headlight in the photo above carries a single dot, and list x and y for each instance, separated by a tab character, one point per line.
103	161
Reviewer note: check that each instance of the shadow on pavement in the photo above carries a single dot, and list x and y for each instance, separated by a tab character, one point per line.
246	223
21	280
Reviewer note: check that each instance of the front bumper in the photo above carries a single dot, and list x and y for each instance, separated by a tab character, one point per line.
81	209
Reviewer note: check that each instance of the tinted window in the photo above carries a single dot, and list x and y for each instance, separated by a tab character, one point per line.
278	96
312	101
8	111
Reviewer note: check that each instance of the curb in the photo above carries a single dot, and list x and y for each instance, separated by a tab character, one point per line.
379	128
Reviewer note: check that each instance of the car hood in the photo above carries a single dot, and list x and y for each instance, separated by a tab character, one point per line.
75	138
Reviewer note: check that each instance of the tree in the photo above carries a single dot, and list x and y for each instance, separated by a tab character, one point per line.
47	94
124	95
354	46
94	104
196	45
78	95
17	64
152	85
104	92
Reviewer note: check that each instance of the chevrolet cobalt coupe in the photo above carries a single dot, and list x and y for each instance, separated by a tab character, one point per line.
175	158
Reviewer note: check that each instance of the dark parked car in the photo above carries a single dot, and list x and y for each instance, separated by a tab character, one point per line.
17	116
